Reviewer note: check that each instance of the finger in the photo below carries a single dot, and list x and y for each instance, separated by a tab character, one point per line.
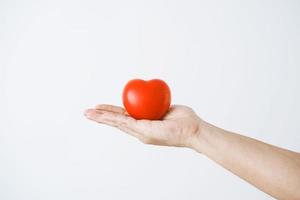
121	121
131	132
138	126
113	124
111	108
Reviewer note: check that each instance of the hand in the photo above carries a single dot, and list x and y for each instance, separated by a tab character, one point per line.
178	128
274	170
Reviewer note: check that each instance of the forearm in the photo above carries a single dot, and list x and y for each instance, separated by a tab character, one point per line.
274	170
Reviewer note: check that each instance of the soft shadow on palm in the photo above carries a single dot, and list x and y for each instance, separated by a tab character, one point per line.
178	126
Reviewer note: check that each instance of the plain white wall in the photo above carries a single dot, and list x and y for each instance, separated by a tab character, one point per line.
235	62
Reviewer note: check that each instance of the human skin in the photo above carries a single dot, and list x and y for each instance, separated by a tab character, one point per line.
273	170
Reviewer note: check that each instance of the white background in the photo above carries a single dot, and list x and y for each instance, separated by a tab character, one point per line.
235	62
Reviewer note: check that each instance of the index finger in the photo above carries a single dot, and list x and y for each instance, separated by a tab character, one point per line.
111	108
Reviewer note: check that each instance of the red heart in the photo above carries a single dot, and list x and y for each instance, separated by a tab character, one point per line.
147	99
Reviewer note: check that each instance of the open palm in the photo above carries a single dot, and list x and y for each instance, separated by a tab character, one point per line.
177	128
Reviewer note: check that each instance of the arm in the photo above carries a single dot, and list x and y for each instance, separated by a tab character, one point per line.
273	170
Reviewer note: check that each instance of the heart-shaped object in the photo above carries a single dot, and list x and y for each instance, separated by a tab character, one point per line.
147	99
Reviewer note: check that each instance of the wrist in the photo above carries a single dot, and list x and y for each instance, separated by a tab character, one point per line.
200	141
